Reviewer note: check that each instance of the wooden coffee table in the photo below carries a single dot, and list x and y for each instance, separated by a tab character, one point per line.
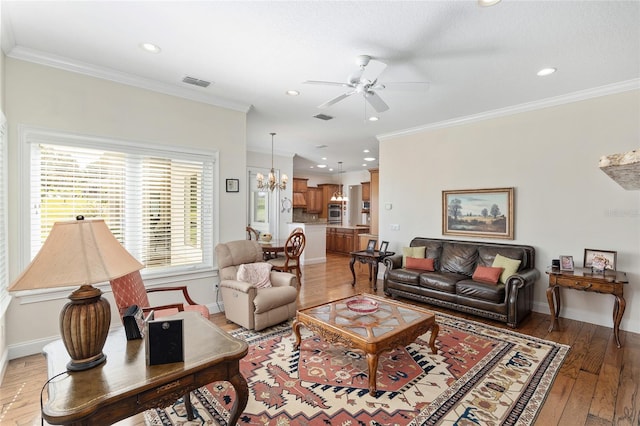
394	324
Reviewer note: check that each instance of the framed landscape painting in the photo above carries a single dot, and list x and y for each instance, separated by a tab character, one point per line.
486	213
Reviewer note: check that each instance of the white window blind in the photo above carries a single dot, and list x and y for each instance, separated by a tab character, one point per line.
157	203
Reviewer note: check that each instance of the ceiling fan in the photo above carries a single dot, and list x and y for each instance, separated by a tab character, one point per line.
365	82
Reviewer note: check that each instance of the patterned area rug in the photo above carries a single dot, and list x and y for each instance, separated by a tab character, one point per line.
481	375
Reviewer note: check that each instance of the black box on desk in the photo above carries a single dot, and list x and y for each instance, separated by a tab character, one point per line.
164	341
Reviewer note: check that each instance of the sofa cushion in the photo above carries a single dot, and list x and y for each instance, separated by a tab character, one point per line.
406	276
483	291
258	274
487	254
459	258
441	281
420	263
411	252
510	266
433	250
487	274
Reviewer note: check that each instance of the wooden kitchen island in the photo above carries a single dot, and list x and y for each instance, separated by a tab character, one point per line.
344	239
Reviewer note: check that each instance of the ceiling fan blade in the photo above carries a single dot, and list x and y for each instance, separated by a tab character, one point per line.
373	70
326	83
335	100
401	86
376	101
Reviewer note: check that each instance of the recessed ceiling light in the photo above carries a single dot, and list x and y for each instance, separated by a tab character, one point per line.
321	166
546	71
324	158
330	170
150	47
373	118
365	150
365	165
292	92
486	3
369	159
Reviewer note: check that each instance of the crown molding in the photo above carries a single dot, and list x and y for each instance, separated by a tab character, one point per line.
66	64
582	95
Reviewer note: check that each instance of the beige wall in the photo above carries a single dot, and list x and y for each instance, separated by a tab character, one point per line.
563	202
50	98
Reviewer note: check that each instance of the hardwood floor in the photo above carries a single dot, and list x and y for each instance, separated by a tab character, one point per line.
598	383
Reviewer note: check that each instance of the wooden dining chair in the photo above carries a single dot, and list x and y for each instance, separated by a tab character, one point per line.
252	234
291	260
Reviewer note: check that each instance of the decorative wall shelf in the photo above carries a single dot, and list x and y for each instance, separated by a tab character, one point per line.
623	168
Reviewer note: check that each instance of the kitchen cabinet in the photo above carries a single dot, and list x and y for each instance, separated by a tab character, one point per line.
345	239
314	200
366	191
300	192
327	191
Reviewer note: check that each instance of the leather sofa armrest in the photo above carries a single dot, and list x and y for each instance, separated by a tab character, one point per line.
393	262
523	278
241	286
282	279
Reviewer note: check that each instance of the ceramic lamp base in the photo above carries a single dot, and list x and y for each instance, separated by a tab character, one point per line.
84	325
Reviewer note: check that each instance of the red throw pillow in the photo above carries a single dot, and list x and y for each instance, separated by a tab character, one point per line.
421	263
487	274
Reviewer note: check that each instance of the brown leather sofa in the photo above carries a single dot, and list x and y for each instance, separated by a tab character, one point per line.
450	285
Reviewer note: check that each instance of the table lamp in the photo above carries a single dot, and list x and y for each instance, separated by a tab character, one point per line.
80	253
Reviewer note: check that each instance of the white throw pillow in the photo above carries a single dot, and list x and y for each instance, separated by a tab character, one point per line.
257	274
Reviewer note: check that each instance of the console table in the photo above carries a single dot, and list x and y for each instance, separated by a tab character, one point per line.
607	282
371	258
125	385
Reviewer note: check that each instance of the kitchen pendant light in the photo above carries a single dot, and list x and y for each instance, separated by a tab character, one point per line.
338	195
271	183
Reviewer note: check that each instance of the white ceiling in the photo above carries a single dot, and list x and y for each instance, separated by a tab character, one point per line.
477	59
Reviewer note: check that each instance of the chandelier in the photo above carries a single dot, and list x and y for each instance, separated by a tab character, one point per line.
271	183
338	195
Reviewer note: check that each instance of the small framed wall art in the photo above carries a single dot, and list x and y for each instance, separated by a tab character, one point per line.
566	263
233	185
599	260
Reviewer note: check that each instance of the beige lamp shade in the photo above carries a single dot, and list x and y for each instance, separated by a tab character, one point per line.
76	253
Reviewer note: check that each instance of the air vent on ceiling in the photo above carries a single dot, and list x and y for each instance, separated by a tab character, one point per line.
196	81
323	117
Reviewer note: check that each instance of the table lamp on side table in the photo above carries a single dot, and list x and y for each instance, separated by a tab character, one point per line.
80	252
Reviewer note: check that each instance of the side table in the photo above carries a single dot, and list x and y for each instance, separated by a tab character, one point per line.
371	258
607	282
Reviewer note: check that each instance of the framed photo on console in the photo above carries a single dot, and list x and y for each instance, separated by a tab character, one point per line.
383	246
371	247
566	263
600	259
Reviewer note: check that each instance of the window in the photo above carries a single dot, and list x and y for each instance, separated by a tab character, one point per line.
157	202
4	269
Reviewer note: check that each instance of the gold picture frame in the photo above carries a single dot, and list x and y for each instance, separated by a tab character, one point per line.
486	213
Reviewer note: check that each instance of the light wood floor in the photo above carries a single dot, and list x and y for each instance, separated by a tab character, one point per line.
598	383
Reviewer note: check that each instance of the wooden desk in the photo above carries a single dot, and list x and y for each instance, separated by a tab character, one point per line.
609	282
394	324
371	258
125	385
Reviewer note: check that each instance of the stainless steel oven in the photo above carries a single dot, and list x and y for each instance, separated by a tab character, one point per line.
334	213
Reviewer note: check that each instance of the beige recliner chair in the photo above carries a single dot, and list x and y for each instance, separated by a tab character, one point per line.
246	305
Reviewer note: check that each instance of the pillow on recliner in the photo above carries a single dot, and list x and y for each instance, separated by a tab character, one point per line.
257	273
